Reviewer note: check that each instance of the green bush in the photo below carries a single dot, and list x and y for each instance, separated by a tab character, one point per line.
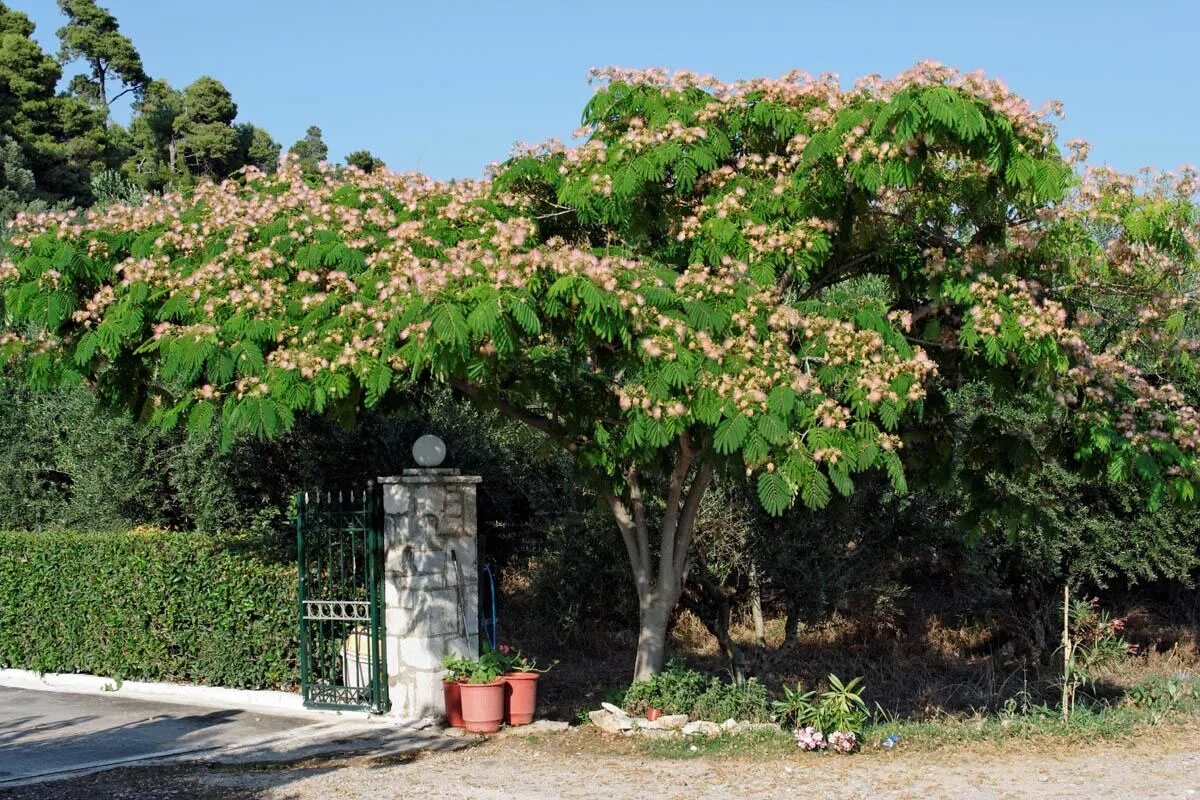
1162	694
679	690
149	605
722	701
675	690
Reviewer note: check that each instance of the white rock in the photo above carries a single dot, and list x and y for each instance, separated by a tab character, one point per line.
702	728
614	710
729	724
608	723
672	722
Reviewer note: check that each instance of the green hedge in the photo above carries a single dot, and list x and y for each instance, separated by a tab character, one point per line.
148	605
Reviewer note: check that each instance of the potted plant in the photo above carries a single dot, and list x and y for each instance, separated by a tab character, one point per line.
520	678
483	694
457	672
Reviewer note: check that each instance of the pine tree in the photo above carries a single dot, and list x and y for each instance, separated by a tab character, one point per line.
312	149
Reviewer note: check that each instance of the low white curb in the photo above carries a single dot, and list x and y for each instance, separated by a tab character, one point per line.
215	696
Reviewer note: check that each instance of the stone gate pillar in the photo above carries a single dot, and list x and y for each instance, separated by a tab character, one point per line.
431	583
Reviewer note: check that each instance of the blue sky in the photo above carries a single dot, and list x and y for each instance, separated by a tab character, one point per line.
445	87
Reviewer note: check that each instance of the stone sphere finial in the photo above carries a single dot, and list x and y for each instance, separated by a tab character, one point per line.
429	451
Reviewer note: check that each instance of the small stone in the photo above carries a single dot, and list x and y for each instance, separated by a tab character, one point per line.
672	722
608	723
729	724
616	711
701	728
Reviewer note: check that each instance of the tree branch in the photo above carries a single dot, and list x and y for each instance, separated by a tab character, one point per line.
627	527
122	94
666	556
639	516
691	509
543	424
837	274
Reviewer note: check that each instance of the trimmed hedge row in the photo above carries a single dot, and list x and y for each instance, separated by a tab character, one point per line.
148	605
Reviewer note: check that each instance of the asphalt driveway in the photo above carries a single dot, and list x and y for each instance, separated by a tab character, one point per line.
49	735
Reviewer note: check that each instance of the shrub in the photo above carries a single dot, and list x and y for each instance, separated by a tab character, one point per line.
721	701
149	605
675	690
841	708
1161	694
679	690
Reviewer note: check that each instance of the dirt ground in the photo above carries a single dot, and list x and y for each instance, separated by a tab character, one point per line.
583	764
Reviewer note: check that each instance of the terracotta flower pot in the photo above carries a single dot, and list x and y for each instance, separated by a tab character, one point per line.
652	714
520	697
482	706
452	693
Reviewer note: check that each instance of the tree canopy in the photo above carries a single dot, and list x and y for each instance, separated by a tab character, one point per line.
773	276
61	137
311	150
93	36
66	139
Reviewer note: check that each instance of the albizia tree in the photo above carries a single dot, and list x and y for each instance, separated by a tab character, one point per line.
766	276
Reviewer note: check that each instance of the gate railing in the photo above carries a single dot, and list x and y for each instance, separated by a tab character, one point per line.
340	553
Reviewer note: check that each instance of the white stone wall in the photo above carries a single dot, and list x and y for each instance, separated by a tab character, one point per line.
431	584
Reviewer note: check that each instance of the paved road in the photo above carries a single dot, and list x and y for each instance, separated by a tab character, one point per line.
47	735
48	732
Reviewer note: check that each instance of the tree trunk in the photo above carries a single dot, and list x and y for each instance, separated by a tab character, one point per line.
1068	689
654	617
713	604
791	625
756	612
660	584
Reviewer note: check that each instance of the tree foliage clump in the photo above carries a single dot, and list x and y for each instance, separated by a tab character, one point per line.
679	295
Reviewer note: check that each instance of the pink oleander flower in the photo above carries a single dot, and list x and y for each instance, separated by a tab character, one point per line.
809	738
843	741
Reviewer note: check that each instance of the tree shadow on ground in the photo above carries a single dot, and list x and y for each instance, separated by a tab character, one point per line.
205	761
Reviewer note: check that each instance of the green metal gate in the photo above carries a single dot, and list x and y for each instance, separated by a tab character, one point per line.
340	547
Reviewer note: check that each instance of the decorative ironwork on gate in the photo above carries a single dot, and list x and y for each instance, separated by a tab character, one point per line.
340	547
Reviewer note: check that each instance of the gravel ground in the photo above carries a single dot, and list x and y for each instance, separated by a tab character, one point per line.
580	764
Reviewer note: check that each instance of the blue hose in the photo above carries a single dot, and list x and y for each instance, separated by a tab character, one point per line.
490	630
